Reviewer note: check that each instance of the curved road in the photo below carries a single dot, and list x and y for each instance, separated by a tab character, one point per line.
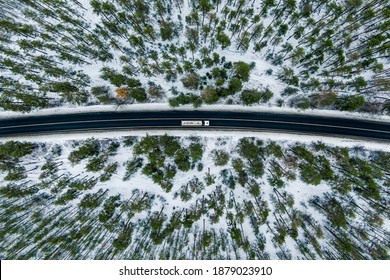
249	121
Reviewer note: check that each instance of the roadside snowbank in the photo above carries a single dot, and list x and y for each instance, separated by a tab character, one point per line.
166	107
276	136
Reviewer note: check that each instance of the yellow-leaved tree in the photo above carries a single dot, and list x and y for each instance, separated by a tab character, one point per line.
122	93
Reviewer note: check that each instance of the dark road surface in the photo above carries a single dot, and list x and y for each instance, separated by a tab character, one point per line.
249	121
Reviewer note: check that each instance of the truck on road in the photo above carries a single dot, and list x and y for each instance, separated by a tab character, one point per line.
195	123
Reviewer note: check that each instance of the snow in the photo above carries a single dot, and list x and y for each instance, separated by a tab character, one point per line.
211	140
147	107
283	137
258	77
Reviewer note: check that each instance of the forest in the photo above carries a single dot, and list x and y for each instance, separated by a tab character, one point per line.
305	54
169	197
198	196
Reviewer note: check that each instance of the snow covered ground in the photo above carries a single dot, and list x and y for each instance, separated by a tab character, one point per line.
177	14
226	141
165	107
283	137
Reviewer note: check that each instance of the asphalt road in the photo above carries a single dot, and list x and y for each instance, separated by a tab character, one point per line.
245	121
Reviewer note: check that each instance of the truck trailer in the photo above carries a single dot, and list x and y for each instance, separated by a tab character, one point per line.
195	123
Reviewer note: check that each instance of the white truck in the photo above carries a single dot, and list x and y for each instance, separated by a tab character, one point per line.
195	123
